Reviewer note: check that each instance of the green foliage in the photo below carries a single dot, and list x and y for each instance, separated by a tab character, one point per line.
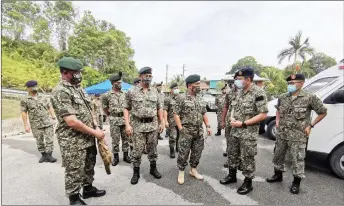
276	84
304	69
246	61
220	85
180	81
320	61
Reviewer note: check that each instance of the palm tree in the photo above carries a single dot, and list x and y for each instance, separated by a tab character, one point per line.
296	50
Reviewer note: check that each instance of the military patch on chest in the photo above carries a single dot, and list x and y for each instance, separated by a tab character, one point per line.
260	98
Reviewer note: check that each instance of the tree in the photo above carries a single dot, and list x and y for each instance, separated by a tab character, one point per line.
305	69
276	84
180	82
320	61
297	49
220	85
246	61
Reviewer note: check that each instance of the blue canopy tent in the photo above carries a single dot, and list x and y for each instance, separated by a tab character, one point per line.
104	87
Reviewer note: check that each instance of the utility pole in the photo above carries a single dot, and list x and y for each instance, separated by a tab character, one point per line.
184	71
166	73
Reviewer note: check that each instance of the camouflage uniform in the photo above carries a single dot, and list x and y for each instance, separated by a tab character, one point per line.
79	149
143	109
97	111
295	116
40	122
230	96
190	109
172	130
219	102
114	102
243	141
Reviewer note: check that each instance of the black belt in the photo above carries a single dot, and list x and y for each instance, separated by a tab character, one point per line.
146	120
118	114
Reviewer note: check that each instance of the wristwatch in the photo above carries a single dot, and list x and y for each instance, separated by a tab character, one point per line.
312	126
244	125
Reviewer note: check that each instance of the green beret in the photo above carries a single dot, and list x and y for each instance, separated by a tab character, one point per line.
116	77
137	80
70	63
296	77
245	72
31	83
192	79
173	85
159	84
145	70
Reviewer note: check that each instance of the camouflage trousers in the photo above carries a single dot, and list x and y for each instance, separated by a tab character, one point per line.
297	151
191	140
241	153
117	133
44	138
140	141
79	168
100	121
227	135
219	119
173	135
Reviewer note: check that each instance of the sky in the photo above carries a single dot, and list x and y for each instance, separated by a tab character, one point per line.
209	37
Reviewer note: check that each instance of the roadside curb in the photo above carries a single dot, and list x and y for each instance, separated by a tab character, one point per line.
12	134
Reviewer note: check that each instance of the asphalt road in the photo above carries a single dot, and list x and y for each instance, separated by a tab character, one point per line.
25	181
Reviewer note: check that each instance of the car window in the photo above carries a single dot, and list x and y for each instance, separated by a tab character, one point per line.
336	97
318	84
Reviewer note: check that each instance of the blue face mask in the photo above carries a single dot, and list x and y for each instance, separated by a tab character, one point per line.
239	83
291	88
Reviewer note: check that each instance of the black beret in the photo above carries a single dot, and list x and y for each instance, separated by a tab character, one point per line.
97	95
137	80
245	72
31	83
145	70
116	77
192	78
70	63
296	77
159	84
173	85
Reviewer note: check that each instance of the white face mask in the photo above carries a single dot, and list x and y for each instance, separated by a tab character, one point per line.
176	91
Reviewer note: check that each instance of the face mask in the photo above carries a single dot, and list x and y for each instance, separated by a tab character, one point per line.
239	83
196	89
118	86
77	78
35	89
147	80
176	91
291	88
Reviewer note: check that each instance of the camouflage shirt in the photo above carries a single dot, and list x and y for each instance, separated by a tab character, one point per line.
295	114
142	106
190	109
96	107
115	102
70	100
37	108
230	96
169	104
219	102
245	106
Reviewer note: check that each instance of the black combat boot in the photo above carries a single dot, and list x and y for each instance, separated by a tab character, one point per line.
172	153
43	157
277	177
49	158
218	132
126	157
136	176
230	178
154	171
246	187
90	191
295	187
76	200
115	160
225	154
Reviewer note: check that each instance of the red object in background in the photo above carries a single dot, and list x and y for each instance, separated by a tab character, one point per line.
297	68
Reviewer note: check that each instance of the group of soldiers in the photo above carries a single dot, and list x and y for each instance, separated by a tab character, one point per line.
140	115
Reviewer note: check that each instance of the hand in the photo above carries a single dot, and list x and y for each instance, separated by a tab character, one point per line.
129	130
167	125
209	131
27	129
308	131
236	124
161	127
99	134
223	125
277	124
180	128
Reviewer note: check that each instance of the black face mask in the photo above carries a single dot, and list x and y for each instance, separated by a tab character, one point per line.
118	86
196	89
147	80
77	78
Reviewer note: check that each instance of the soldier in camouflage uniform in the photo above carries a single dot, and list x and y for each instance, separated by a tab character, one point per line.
76	132
38	108
219	102
171	126
146	106
293	123
136	82
97	110
159	88
113	103
190	113
249	108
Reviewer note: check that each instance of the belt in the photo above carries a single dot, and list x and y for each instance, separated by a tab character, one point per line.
146	120
117	114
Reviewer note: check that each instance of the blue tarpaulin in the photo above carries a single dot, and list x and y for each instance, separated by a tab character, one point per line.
104	87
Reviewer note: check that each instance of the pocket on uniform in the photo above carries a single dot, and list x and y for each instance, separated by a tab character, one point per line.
75	159
301	154
300	112
247	108
249	148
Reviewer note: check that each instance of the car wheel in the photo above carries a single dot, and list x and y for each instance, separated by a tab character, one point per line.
271	130
337	161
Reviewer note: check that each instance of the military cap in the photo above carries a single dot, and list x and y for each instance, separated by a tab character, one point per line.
192	79
137	80
70	63
245	72
173	85
31	83
296	77
145	70
159	84
97	95
116	77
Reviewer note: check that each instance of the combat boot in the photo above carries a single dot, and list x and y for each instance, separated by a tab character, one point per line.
115	160
295	187
193	172
136	176
126	157
230	178
154	171
76	200
246	187
172	153
277	177
43	157
218	132
90	191
49	158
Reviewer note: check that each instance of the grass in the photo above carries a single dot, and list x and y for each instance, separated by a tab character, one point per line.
10	108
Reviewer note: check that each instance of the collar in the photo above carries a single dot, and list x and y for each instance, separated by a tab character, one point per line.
32	97
141	88
301	93
113	92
